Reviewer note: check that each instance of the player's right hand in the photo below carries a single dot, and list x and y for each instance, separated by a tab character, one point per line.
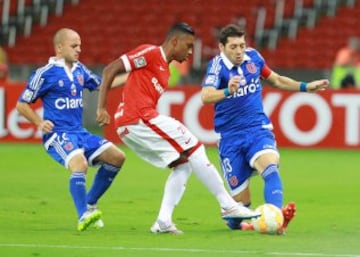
46	126
102	117
234	84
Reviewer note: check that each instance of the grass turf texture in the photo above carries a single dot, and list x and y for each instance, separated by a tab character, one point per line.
38	218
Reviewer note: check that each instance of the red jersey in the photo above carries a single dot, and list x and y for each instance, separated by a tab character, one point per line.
148	79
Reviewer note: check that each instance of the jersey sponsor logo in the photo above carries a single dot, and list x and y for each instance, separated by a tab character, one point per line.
140	62
67	103
80	78
27	96
249	88
251	67
157	85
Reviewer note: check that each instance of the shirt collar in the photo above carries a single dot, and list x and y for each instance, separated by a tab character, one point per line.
229	64
61	62
163	53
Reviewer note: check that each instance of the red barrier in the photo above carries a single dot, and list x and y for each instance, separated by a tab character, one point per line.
327	120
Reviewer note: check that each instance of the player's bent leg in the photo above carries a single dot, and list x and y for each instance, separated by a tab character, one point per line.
242	197
173	192
209	176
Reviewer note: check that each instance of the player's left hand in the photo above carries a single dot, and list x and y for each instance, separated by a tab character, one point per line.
317	85
102	117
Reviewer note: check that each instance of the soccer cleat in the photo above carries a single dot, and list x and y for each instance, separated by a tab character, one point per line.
234	223
239	211
88	218
160	227
289	212
238	224
246	226
98	224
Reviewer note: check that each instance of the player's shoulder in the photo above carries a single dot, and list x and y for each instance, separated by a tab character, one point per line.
252	51
144	49
216	62
254	54
83	67
45	70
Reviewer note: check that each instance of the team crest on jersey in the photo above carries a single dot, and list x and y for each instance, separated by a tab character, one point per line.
80	78
73	90
61	83
251	67
140	62
69	146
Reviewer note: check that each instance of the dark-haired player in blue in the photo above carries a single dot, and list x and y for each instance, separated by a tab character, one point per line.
60	84
247	143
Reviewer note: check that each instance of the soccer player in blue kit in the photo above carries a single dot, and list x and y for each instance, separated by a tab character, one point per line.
60	84
247	143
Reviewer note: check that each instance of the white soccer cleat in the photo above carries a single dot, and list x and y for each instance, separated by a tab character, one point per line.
162	227
239	211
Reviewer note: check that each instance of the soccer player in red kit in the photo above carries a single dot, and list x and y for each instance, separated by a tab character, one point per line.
159	139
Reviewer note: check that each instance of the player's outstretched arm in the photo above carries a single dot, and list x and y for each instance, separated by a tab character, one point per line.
317	85
289	84
108	75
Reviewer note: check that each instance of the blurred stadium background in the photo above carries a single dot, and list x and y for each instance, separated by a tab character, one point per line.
289	33
298	38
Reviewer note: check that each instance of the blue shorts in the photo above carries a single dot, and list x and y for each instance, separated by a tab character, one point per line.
238	153
62	146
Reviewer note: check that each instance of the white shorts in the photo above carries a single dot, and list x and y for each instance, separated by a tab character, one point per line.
160	141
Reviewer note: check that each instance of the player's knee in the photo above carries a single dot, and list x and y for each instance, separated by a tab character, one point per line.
115	157
121	157
78	164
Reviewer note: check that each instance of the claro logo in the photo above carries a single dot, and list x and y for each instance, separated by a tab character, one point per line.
67	103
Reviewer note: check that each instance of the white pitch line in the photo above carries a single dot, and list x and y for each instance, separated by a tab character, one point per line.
155	249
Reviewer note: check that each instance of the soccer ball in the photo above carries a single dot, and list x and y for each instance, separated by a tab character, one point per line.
270	221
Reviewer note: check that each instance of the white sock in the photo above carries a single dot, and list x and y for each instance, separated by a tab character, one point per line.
209	176
174	190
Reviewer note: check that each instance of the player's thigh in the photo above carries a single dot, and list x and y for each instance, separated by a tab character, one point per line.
235	167
112	155
94	146
64	148
160	141
263	149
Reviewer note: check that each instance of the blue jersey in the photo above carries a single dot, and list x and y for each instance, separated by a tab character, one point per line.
61	92
243	109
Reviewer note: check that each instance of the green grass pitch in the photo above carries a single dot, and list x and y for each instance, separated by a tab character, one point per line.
37	217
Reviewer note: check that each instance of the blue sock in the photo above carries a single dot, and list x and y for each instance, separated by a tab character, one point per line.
273	190
102	181
78	191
